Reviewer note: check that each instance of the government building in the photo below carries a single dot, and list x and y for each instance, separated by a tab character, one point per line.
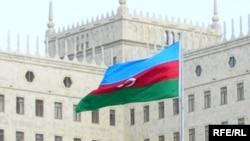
38	93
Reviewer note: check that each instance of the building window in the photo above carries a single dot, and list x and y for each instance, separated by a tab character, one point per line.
67	82
223	94
1	103
240	91
146	139
58	110
58	138
112	117
167	37
176	106
20	105
198	70
241	121
77	139
191	103
95	116
39	137
232	62
29	76
1	135
161	138
146	113
114	60
192	134
77	44
161	110
207	99
87	44
224	122
206	133
176	136
39	108
19	136
132	116
76	116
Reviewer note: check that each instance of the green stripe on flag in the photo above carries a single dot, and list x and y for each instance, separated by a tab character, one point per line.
156	91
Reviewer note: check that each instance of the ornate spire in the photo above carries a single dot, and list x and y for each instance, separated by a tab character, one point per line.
50	24
215	17
122	2
122	10
216	26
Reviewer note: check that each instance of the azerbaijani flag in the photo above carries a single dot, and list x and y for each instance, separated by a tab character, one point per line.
144	80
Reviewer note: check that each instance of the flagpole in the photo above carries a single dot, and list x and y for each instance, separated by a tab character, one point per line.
181	91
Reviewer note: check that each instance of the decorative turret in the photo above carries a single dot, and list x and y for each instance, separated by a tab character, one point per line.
50	24
215	19
123	9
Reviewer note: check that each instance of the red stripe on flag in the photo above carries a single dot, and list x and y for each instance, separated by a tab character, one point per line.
162	72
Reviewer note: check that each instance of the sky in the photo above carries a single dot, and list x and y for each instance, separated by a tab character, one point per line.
30	17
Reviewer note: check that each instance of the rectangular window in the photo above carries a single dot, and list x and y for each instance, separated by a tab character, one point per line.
20	105
241	121
176	106
191	103
146	139
161	138
224	122
146	113
132	116
112	117
81	46
87	44
58	110
114	60
95	116
19	136
223	93
1	135
207	99
161	110
77	139
39	137
39	108
240	91
58	138
176	136
76	116
206	133
192	134
1	103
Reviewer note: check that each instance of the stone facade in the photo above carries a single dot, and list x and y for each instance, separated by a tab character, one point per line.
75	61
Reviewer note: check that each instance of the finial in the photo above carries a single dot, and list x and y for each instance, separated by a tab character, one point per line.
216	26
248	24
225	33
215	17
50	23
37	46
241	33
122	10
122	2
8	41
232	37
28	45
18	42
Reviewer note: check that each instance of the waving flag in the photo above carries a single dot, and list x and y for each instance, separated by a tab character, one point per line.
144	80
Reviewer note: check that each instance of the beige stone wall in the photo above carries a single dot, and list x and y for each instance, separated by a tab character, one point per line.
48	86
